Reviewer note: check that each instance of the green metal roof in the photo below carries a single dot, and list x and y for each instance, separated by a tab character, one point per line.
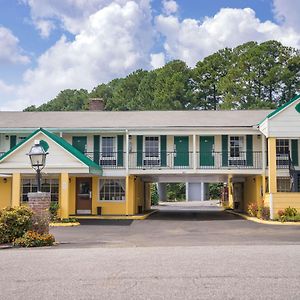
93	167
279	109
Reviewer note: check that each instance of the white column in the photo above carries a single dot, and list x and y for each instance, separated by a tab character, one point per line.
202	191
127	152
194	153
186	191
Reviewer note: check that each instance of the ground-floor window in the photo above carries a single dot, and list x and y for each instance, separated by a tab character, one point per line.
283	184
112	189
48	185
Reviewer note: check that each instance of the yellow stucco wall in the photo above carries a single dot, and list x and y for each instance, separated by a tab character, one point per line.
272	165
284	200
16	190
72	195
252	191
230	192
5	192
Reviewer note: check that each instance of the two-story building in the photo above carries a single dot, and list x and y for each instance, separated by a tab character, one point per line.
103	162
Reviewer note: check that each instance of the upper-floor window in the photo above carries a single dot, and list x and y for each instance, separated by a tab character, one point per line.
236	146
151	146
282	147
108	146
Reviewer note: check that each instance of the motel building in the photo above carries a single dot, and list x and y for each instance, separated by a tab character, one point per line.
103	163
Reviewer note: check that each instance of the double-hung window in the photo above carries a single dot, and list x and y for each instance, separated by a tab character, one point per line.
108	155
112	189
282	152
151	150
236	146
236	151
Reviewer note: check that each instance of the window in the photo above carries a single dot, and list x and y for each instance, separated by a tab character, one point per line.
151	146
283	184
112	189
108	146
282	147
236	146
48	185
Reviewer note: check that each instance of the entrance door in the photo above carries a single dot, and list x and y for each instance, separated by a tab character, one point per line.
79	142
238	198
206	151
83	196
181	149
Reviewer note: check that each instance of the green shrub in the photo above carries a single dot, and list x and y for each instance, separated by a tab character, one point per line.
34	239
154	195
290	211
69	220
14	222
253	210
53	209
290	214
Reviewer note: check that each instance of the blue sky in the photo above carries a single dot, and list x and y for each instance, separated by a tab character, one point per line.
50	45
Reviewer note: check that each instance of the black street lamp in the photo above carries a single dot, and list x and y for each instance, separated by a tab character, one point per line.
37	156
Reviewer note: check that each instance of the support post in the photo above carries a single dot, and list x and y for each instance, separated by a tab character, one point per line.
272	165
130	195
16	190
64	195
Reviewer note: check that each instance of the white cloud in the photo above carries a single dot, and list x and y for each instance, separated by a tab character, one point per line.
192	40
157	60
170	6
71	15
287	11
5	88
10	52
115	41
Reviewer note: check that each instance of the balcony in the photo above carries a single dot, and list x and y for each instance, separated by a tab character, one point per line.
108	160
177	160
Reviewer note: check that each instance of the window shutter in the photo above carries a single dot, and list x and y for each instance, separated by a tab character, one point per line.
139	150
295	152
224	150
163	150
120	150
249	147
96	148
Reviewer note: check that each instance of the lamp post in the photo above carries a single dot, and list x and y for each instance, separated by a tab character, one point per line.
37	156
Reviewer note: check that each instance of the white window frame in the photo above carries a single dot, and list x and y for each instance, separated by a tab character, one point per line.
287	187
144	148
111	201
241	149
282	159
114	155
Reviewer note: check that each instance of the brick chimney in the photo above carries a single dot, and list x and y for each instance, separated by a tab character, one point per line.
96	104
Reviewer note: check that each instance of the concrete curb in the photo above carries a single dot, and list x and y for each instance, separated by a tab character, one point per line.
256	220
135	217
64	224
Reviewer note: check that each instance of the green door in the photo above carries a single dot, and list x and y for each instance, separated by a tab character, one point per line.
13	141
206	151
79	142
181	148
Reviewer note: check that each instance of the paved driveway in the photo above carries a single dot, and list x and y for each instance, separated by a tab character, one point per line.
177	225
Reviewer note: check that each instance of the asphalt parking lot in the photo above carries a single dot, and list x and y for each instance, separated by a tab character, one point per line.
176	225
181	252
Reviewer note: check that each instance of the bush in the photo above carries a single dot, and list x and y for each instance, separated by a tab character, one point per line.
34	239
264	213
14	222
253	210
154	195
53	209
289	214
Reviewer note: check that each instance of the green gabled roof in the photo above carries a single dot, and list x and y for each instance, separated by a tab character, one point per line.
279	109
94	168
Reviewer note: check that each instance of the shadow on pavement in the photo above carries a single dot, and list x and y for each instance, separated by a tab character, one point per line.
106	222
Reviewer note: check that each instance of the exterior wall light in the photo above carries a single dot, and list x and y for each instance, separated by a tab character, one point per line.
37	156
